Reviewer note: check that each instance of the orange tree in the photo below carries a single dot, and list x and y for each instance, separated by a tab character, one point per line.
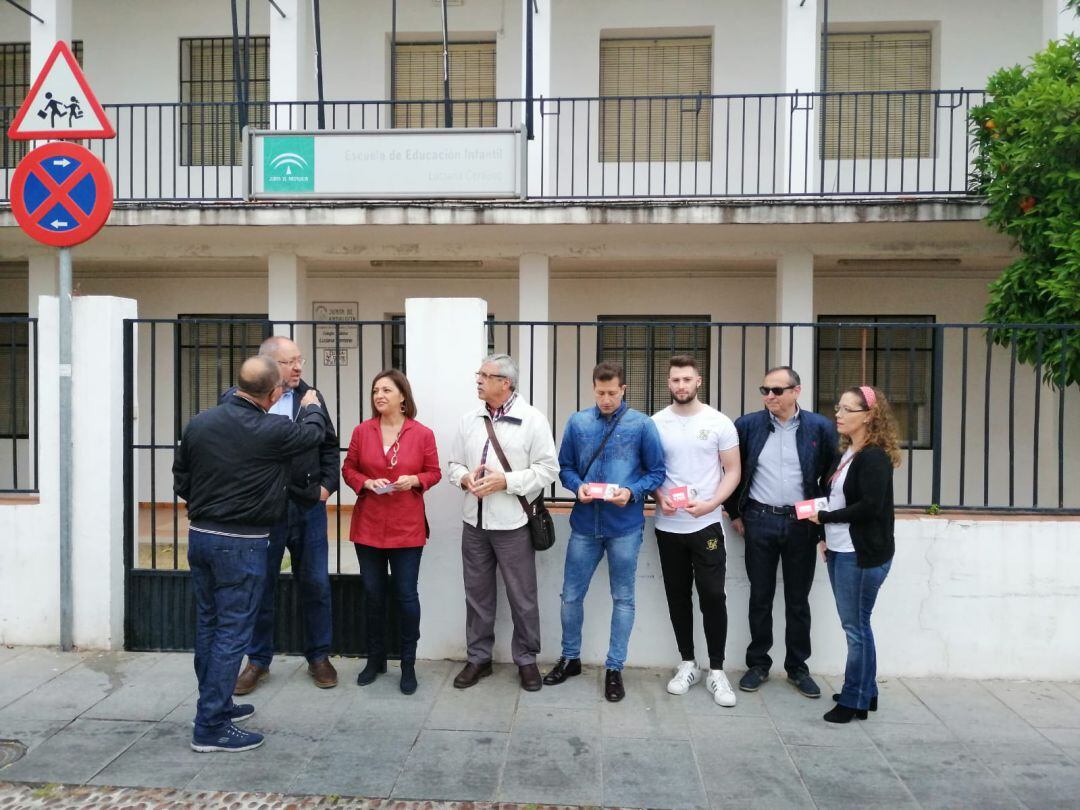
1027	163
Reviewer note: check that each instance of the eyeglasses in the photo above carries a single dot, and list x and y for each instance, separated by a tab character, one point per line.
297	362
483	375
775	390
846	409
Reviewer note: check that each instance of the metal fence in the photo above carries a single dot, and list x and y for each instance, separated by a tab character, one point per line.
590	147
18	405
980	429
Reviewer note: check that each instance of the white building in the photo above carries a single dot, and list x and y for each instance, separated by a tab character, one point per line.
748	200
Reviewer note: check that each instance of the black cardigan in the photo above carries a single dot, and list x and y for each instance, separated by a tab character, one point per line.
868	489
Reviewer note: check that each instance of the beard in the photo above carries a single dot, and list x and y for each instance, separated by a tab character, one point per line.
686	399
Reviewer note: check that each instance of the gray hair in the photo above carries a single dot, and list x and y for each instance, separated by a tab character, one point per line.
274	344
507	367
793	376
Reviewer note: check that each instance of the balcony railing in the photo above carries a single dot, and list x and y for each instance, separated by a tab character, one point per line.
766	145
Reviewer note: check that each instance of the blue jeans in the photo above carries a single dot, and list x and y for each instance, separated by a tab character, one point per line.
856	590
303	532
583	554
404	564
227	573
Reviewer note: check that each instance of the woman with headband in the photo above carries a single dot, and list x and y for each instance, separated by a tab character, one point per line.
858	546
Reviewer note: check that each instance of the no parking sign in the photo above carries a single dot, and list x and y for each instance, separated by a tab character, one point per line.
61	194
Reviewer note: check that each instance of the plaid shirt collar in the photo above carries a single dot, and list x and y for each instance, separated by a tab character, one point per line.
498	413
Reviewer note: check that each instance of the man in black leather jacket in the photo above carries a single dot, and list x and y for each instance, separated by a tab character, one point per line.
313	479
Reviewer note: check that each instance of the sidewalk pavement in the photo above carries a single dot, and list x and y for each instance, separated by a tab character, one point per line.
124	719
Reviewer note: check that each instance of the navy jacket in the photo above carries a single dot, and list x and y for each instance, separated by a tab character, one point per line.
319	466
232	464
816	440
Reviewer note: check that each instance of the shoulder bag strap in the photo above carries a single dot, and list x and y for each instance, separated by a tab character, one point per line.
502	459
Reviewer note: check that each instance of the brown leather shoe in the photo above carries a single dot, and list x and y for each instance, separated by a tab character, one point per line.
530	678
471	674
324	674
249	679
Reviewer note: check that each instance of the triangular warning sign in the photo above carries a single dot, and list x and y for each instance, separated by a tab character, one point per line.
60	104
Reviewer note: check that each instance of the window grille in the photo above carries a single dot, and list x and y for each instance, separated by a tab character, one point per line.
873	124
211	113
655	129
14	85
418	77
643	345
14	378
212	349
899	361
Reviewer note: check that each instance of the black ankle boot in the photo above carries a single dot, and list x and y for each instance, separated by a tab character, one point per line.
873	702
376	665
408	677
844	714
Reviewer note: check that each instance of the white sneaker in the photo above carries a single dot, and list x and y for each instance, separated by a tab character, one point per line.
685	676
717	683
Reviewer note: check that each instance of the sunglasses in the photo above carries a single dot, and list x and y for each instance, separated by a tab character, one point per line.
775	390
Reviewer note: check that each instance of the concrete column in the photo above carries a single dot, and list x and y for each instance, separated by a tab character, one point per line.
799	51
41	278
541	87
533	352
795	304
447	339
1059	21
43	36
286	290
98	469
292	63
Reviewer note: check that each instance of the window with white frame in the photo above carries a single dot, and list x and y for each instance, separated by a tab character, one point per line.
887	112
899	360
636	122
418	84
643	344
212	349
14	85
211	113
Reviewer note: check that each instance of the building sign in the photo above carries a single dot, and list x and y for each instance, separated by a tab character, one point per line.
386	164
328	336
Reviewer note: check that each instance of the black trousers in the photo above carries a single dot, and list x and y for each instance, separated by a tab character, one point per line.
772	540
697	558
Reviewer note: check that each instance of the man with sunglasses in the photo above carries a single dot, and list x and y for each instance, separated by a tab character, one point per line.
785	452
313	479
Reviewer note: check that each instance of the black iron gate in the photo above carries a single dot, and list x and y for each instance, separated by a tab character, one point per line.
175	368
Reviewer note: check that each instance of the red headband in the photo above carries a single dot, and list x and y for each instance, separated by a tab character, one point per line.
868	395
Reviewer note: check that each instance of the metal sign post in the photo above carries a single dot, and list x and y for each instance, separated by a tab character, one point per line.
61	195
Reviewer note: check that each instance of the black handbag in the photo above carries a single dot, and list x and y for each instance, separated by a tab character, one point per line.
541	526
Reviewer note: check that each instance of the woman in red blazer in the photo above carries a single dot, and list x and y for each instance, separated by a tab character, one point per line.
391	462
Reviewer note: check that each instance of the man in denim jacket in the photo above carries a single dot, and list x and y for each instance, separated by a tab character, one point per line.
785	452
631	462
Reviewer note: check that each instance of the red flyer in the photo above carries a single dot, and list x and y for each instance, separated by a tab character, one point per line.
679	497
602	491
805	509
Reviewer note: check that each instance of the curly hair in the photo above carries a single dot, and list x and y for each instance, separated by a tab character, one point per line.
881	430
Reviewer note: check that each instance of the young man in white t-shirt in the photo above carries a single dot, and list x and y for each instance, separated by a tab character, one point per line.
701	454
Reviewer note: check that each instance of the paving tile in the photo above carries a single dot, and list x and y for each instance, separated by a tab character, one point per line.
843	777
798	721
77	752
281	672
10	653
272	767
647	711
150	693
545	719
972	712
32	669
886	733
1067	739
361	764
580	691
160	758
1043	705
1039	774
453	766
715	728
651	773
488	706
750	770
30	731
553	767
947	775
299	706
